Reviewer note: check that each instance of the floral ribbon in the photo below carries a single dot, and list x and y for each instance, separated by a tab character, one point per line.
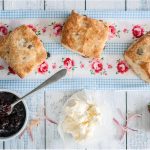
49	31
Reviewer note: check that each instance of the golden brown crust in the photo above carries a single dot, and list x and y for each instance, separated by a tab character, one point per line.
22	50
138	57
84	35
2	41
140	50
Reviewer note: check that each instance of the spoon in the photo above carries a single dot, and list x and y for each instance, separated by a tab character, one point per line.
7	109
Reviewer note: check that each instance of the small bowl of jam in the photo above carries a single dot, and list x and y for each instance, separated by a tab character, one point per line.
13	124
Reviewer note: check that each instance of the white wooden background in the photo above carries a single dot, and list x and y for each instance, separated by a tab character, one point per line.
46	136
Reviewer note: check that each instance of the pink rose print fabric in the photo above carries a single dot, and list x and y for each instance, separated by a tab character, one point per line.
1	67
137	31
54	65
96	66
57	29
69	63
122	67
3	30
109	66
112	31
81	66
43	68
113	65
125	30
31	26
44	29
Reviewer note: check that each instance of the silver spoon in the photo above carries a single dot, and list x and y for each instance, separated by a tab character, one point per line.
58	75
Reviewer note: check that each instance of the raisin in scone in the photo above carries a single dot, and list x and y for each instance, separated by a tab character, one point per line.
84	35
22	50
138	57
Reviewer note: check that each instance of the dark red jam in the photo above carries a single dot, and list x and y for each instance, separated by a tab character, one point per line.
11	124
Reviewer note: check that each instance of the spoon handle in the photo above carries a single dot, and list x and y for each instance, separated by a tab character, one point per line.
58	75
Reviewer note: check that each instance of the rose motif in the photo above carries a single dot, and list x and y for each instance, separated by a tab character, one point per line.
97	66
109	66
112	31
43	67
68	63
122	67
44	29
3	30
125	30
1	67
32	27
137	31
54	66
11	70
81	66
57	29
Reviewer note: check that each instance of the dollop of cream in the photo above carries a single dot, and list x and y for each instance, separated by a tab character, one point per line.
80	119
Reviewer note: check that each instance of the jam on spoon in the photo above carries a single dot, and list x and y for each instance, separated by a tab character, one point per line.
58	75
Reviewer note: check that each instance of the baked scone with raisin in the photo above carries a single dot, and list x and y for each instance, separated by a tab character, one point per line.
138	57
22	50
84	35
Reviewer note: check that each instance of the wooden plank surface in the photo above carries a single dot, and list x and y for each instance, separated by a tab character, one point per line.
137	103
1	4
23	4
138	4
54	103
46	135
65	4
105	4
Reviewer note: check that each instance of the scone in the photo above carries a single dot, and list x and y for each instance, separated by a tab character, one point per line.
84	35
138	57
22	50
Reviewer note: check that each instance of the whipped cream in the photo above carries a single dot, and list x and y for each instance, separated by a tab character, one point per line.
80	118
